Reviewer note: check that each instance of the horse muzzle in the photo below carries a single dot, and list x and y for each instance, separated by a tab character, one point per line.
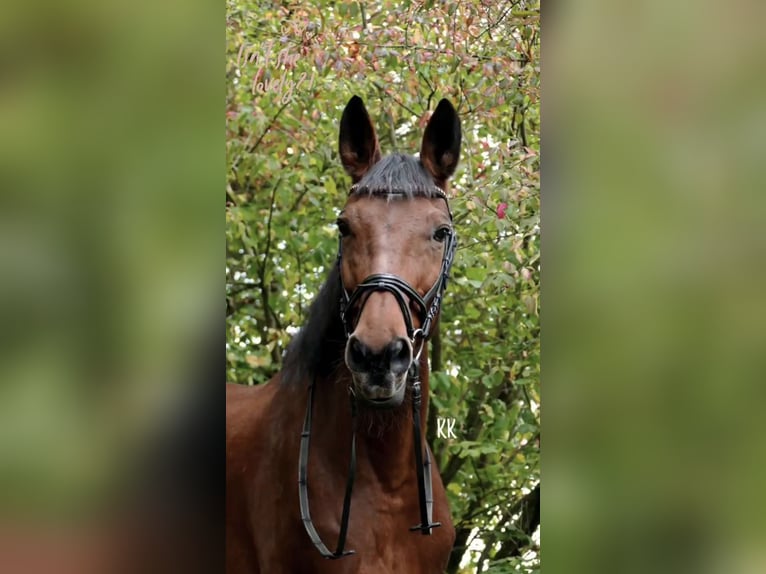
379	376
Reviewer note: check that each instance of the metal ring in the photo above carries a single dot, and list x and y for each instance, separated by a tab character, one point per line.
422	344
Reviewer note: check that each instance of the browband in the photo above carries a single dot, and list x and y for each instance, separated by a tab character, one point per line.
432	192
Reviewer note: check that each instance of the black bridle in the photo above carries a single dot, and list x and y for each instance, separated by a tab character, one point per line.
426	309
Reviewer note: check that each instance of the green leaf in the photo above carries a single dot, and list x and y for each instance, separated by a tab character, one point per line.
476	273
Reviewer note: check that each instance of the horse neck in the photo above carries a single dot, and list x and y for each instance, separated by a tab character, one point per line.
384	438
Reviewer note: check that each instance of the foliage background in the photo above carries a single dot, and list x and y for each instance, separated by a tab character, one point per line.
290	70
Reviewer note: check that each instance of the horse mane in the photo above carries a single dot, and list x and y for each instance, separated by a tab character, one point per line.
313	351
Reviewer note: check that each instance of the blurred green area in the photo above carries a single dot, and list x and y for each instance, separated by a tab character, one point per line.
111	240
655	319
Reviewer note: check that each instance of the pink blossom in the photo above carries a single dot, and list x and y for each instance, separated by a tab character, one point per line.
501	210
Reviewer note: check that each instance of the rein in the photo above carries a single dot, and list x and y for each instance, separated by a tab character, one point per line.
303	483
426	313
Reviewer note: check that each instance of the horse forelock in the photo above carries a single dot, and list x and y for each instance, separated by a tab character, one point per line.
397	174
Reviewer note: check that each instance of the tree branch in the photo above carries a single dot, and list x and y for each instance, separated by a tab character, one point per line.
488	29
298	199
528	521
393	97
251	149
268	314
363	14
458	550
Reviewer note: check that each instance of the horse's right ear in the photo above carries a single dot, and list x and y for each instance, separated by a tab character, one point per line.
440	150
358	144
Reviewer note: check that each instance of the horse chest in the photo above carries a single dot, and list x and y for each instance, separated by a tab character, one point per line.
411	555
379	533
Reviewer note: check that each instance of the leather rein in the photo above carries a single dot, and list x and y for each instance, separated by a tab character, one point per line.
427	308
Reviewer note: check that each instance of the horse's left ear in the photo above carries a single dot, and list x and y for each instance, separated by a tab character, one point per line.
440	150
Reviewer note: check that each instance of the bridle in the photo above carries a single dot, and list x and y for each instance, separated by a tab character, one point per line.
400	289
427	308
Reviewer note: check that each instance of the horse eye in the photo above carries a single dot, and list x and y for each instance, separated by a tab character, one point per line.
343	227
441	233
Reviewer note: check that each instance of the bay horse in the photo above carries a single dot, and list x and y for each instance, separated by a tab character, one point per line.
355	374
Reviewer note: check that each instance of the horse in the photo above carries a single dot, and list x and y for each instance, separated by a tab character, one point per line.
343	415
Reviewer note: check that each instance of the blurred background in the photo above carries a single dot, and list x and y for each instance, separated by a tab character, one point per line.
291	68
111	249
653	287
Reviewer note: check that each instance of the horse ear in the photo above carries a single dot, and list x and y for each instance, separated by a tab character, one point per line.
440	150
358	144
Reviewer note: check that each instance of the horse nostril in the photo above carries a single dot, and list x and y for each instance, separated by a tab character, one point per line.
393	358
400	356
357	354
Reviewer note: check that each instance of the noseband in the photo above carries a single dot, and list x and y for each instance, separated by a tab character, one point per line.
426	309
